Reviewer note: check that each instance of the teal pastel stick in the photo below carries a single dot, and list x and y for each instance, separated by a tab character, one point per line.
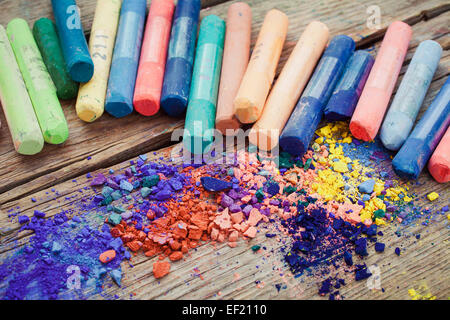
73	42
201	111
410	95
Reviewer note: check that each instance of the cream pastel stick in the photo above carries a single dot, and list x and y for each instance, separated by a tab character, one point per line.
439	164
374	99
16	103
258	77
235	61
290	85
91	96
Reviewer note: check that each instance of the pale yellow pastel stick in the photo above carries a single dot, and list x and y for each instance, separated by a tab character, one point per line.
91	96
258	77
289	86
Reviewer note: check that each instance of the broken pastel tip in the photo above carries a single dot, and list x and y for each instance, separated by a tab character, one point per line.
56	134
359	131
393	132
30	145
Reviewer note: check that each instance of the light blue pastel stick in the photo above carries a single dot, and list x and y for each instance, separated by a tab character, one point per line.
410	95
125	61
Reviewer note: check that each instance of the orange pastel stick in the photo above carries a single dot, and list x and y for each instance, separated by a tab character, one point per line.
235	61
147	93
258	77
374	100
289	86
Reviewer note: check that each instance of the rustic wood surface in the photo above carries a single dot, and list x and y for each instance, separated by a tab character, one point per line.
111	142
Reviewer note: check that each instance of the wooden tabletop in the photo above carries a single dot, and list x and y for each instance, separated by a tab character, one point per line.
111	142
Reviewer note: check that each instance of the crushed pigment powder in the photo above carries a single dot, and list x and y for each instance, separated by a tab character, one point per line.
327	206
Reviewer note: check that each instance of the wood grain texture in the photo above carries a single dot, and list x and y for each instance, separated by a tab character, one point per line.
112	142
34	10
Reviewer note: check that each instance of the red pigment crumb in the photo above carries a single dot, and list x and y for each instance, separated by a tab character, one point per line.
161	269
175	256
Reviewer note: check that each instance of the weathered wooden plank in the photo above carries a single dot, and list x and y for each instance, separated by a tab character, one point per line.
110	140
34	10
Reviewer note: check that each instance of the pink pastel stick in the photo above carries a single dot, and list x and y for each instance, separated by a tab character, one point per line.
147	93
439	164
375	97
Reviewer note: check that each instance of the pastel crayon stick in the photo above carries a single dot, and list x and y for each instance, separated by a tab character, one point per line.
147	94
201	111
74	45
44	32
308	112
439	164
39	84
410	95
289	86
343	101
235	60
374	100
258	77
122	77
91	96
180	58
16	103
419	146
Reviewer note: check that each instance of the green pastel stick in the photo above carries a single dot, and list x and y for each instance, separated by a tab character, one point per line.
44	32
40	87
201	111
16	103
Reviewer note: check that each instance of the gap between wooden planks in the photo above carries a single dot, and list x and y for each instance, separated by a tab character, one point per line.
110	141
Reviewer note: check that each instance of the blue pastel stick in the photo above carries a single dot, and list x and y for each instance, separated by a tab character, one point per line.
73	42
410	95
308	112
180	58
343	101
417	149
127	50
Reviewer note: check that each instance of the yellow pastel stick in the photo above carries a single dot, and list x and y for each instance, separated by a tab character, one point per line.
91	96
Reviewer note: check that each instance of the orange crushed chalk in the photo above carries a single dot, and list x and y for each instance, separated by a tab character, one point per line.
161	269
223	220
251	232
107	256
175	256
237	217
233	236
254	217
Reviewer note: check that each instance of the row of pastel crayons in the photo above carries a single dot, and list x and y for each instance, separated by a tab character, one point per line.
126	69
339	83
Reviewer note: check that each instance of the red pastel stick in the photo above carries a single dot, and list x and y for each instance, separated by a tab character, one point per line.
147	93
